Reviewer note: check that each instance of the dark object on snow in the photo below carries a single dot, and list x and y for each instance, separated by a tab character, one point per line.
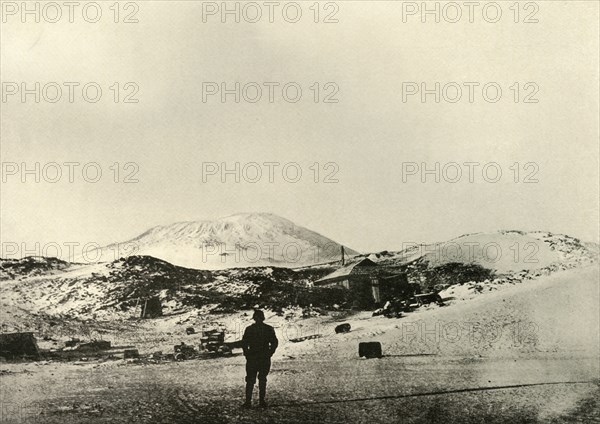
183	351
404	306
301	339
72	342
343	328
95	345
369	350
224	349
393	309
131	353
212	337
151	308
427	298
214	341
190	330
18	345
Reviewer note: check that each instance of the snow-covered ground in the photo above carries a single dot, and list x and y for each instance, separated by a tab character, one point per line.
523	353
519	346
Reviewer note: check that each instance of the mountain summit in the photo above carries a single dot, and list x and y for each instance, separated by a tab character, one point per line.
240	240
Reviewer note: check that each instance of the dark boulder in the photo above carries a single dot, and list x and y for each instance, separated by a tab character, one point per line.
343	328
369	350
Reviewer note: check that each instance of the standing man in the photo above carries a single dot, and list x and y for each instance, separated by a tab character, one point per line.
259	344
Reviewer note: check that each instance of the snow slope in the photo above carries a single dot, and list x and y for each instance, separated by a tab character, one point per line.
555	313
502	252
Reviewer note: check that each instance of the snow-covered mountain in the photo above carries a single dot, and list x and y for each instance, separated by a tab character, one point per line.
241	240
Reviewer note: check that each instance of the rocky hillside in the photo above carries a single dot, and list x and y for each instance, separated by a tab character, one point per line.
115	290
30	266
50	287
503	256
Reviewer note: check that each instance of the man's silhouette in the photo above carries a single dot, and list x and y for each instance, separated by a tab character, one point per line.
259	344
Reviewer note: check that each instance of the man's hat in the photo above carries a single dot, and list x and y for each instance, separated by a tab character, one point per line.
258	314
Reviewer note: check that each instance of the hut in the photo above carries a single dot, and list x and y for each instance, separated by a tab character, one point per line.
18	345
369	283
349	276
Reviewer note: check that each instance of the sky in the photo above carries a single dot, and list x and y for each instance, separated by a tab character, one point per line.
370	140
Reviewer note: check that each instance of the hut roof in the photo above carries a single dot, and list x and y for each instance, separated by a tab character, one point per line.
352	269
